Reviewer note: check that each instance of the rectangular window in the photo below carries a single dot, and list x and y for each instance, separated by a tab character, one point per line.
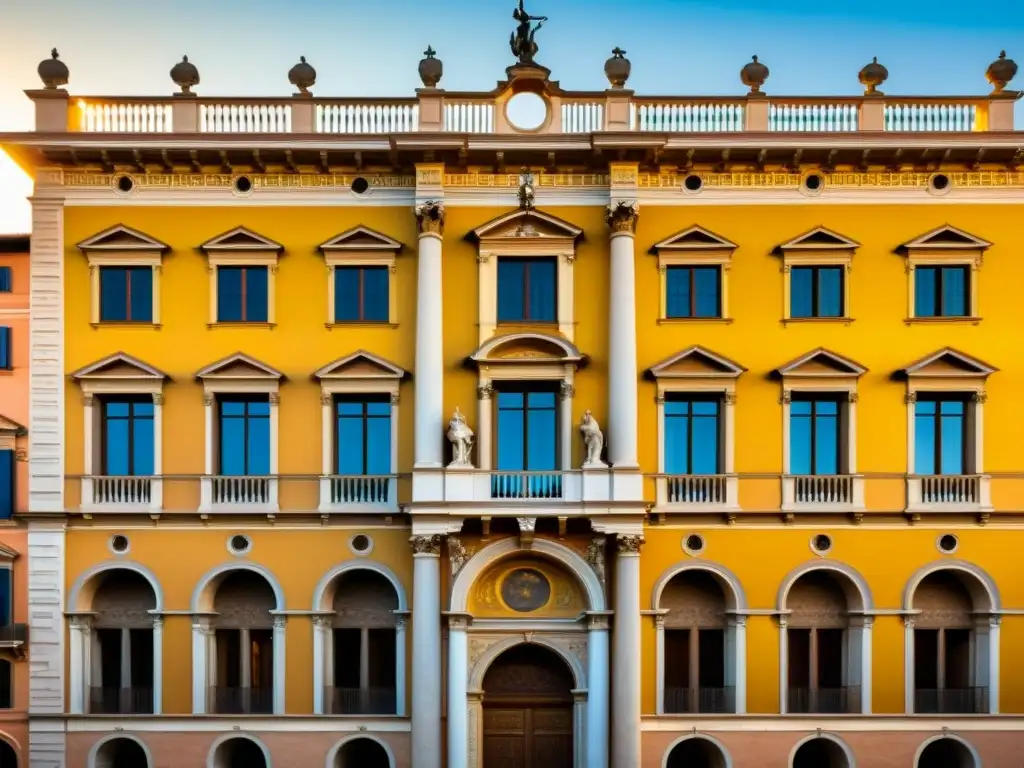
242	294
6	280
363	436
126	294
6	596
8	477
527	430
940	435
527	290
816	292
244	435
6	353
814	436
941	291
128	440
361	294
692	435
693	292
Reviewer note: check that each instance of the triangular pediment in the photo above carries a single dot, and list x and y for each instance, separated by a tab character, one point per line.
119	366
948	363
819	239
696	362
122	238
360	365
694	239
239	366
11	427
820	363
361	239
241	239
6	553
947	238
526	223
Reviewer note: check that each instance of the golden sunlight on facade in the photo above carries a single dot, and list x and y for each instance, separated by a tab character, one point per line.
531	428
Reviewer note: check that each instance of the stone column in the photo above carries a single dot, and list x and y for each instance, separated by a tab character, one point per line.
625	679
908	664
206	484
426	659
622	359
429	390
484	420
77	675
597	692
400	652
320	628
280	666
458	711
158	665
156	491
566	392
783	664
993	664
200	665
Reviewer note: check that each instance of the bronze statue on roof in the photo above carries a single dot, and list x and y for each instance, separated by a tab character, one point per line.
522	42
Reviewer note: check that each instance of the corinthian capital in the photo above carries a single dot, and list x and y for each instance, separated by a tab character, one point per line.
622	216
430	217
426	545
629	544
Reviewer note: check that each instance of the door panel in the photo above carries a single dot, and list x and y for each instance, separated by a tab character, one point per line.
528	737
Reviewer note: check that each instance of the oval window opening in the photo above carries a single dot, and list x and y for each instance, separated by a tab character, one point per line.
526	111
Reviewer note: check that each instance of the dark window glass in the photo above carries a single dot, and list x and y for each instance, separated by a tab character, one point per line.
242	294
941	291
6	280
245	435
814	436
8	478
527	290
527	431
940	435
6	353
363	442
693	292
6	687
126	294
361	294
816	292
692	435
128	436
6	596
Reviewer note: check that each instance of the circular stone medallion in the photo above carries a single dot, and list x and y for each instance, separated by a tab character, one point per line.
526	111
525	590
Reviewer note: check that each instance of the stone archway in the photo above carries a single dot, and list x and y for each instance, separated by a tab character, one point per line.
361	752
946	752
528	717
238	752
117	752
9	757
697	752
821	752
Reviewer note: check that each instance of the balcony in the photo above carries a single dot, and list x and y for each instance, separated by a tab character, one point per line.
238	493
229	700
824	701
121	701
359	701
949	493
359	493
704	701
951	701
121	493
822	493
515	489
697	493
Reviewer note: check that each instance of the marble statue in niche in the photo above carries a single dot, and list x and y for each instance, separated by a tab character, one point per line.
593	438
461	438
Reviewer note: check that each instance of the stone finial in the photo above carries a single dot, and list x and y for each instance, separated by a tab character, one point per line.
185	76
872	76
753	76
617	68
1000	72
53	72
431	69
302	76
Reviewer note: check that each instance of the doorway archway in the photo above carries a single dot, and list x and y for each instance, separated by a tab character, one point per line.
821	752
946	752
528	710
697	752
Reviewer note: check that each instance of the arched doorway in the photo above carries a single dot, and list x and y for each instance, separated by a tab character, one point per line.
528	710
9	758
239	752
946	753
696	752
117	753
361	753
821	753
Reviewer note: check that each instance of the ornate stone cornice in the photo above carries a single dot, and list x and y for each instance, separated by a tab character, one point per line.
622	216
430	217
629	544
426	545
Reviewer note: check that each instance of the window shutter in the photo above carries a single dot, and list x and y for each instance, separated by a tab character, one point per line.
6	283
141	309
113	294
375	294
229	294
7	477
256	294
346	294
6	354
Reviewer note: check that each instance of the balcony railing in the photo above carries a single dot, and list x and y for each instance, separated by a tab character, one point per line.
359	701
501	487
705	701
239	492
822	492
952	492
227	700
526	485
121	701
696	492
951	701
824	701
356	493
121	492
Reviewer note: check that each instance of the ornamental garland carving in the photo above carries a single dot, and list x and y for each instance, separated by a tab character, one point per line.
430	217
622	216
595	557
458	554
426	545
629	545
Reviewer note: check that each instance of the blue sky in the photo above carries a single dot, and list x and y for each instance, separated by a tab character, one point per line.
245	47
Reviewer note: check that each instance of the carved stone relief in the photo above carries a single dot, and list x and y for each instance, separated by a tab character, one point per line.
595	556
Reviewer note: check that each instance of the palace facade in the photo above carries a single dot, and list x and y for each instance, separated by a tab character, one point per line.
523	428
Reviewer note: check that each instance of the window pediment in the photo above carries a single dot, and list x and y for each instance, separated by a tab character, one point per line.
241	241
947	363
693	238
239	367
7	554
527	348
526	225
359	240
122	239
945	238
820	364
818	239
11	428
360	366
119	367
695	362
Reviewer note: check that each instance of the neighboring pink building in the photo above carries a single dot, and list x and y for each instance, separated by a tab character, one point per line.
14	388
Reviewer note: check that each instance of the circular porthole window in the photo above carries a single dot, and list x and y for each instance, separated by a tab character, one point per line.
360	186
124	184
947	543
242	185
526	111
361	544
940	184
693	183
693	544
821	543
119	544
239	544
812	184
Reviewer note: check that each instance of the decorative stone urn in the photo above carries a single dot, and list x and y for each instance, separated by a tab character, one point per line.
872	76
1000	72
53	72
185	76
431	69
617	68
753	76
302	76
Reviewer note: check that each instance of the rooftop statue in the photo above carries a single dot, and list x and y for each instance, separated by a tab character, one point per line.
522	43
